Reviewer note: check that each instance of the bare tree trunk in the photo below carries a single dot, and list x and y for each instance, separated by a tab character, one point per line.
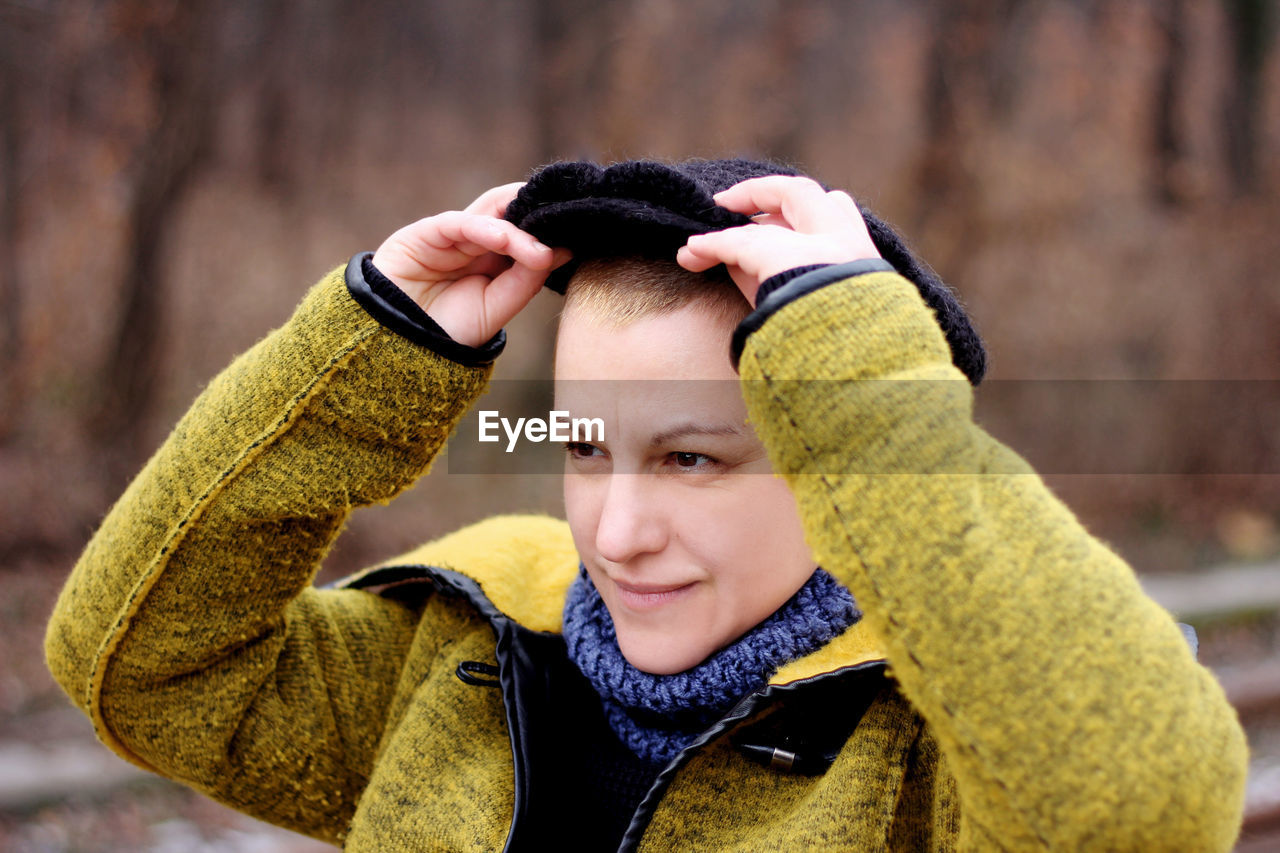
970	85
1168	145
1007	25
573	44
10	287
791	30
17	32
1249	24
275	101
943	182
180	49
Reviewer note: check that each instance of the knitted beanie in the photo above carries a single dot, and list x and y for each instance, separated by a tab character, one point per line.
649	209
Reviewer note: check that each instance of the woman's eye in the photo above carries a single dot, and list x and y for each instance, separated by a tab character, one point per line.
686	459
582	450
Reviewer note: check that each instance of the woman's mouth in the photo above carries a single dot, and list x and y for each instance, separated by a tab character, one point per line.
650	596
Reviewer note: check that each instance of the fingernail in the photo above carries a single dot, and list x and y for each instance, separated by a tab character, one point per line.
540	246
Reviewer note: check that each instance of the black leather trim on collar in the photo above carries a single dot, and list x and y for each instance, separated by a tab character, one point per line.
805	731
793	290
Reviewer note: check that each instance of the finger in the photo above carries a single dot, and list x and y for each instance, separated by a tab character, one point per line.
746	248
489	265
694	262
766	193
769	219
487	234
510	292
494	202
845	201
801	202
765	250
723	247
705	251
449	242
560	257
471	250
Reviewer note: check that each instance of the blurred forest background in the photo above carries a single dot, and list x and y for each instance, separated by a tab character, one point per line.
1098	179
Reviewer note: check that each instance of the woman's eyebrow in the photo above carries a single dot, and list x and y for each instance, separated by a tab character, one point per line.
684	430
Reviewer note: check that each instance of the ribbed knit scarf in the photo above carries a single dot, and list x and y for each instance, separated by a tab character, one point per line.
656	716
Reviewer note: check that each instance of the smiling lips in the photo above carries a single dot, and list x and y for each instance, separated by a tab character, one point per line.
650	596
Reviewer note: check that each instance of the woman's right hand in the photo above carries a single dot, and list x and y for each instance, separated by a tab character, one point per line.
797	223
470	270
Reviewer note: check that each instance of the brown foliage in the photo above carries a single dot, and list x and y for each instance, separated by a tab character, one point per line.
175	172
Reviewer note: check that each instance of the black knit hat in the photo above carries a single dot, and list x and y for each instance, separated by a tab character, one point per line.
648	208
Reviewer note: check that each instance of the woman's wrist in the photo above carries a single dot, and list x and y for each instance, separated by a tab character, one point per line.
396	311
788	286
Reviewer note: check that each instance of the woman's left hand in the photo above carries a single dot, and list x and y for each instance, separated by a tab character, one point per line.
797	223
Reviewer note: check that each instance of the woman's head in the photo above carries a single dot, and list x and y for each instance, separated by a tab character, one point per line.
677	516
685	531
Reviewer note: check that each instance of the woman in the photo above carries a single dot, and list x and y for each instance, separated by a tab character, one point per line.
669	669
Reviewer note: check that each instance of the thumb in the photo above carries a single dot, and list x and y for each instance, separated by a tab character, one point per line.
509	293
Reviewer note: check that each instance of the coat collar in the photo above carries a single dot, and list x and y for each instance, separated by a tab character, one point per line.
524	565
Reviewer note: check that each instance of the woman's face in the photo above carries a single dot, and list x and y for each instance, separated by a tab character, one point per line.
676	514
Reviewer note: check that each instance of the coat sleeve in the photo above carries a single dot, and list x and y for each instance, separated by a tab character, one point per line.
189	632
1068	704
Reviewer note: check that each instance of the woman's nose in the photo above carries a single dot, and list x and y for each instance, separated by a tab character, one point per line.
632	518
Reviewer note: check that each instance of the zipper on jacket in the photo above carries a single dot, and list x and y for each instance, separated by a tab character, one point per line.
644	812
744	709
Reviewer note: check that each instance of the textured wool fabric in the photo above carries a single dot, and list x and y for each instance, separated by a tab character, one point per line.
656	716
1039	700
649	208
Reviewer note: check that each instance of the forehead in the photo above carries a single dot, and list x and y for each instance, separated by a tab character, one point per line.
650	374
690	342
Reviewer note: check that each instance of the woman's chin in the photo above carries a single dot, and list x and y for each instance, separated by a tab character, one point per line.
662	655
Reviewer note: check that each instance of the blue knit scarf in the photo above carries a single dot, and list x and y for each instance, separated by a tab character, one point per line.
656	716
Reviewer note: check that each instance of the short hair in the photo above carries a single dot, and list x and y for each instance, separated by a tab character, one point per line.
621	290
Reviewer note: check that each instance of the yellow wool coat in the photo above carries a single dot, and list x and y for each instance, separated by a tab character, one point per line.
1035	698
